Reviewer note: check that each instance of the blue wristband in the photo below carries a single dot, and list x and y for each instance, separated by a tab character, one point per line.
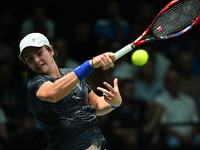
116	106
83	70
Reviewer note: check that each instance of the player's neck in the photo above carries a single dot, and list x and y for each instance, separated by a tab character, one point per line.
55	73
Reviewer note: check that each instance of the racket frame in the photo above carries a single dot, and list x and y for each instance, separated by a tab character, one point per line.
140	39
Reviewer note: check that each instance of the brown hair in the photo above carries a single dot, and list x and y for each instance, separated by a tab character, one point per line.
47	47
55	51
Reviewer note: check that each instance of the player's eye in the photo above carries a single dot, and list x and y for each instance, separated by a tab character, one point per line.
29	59
39	53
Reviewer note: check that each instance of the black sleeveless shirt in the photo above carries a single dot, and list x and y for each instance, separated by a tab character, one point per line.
71	123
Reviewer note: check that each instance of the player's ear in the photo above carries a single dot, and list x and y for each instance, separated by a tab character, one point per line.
52	50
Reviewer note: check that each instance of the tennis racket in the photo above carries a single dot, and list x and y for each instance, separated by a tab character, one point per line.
175	19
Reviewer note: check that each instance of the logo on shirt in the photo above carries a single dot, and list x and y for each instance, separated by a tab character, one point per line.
80	88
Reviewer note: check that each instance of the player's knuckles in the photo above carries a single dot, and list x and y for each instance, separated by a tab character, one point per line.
111	55
103	56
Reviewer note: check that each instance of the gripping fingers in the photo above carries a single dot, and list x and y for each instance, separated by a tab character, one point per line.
112	56
107	60
110	60
104	60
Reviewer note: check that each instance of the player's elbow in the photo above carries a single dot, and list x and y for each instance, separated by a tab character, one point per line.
53	98
49	96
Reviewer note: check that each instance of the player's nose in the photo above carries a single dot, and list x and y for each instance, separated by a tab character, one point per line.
36	60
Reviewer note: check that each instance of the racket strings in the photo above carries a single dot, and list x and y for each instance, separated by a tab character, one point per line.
176	18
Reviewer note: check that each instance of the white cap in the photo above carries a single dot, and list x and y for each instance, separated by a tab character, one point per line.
33	39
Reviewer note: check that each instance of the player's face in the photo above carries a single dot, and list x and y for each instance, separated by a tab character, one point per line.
40	60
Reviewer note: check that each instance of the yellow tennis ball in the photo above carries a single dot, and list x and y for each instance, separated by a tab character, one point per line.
140	57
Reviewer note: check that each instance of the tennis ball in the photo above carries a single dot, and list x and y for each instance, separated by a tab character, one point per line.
140	57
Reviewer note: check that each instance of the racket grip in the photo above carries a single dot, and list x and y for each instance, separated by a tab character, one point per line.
124	51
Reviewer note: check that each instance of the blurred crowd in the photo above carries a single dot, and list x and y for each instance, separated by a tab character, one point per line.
161	100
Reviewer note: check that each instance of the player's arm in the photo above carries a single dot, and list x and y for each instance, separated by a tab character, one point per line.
110	100
54	91
102	107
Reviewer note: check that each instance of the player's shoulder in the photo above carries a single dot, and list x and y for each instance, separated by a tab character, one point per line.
36	77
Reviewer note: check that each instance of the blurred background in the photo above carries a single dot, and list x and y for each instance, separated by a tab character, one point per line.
161	100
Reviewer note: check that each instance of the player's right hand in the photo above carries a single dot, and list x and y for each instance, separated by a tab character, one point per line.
105	60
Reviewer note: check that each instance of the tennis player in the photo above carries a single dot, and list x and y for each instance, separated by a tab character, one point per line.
66	107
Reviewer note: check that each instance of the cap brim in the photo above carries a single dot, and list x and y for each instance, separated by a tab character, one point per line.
30	45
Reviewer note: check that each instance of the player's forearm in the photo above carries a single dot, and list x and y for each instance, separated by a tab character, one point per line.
102	107
63	86
53	92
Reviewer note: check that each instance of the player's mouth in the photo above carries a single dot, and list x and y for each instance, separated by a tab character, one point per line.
40	66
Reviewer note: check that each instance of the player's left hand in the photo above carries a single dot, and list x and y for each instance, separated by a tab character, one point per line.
112	95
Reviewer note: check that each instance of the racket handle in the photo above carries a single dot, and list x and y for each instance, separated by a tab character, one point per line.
124	51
